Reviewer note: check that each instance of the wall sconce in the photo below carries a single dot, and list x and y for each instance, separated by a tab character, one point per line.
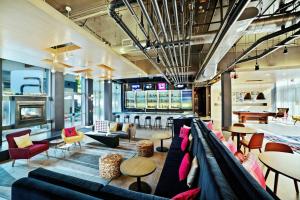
247	96
260	96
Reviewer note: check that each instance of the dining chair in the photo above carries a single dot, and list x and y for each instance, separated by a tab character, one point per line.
255	142
279	147
234	134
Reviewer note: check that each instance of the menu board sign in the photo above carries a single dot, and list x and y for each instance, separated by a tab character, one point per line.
135	87
149	86
161	86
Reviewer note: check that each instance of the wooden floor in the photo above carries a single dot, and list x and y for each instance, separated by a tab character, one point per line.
158	158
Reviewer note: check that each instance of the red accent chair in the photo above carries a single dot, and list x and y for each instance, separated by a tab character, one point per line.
255	142
28	152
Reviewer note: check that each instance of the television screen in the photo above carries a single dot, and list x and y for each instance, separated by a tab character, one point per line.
149	86
135	86
161	86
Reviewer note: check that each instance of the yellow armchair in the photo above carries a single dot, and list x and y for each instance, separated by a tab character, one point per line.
73	139
296	118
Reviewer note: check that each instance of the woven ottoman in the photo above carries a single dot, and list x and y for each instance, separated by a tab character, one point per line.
109	166
145	148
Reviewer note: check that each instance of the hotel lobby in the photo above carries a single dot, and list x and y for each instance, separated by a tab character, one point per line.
159	99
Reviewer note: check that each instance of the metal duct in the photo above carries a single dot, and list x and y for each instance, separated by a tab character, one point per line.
261	40
116	4
230	31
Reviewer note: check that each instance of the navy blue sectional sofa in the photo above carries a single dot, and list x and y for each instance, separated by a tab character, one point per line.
220	176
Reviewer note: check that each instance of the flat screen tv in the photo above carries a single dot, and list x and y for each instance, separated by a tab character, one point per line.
149	86
161	86
135	87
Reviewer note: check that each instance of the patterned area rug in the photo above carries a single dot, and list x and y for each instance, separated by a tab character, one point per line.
81	163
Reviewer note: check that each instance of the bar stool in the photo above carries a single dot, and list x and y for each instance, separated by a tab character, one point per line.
117	118
169	123
147	122
126	118
137	119
157	122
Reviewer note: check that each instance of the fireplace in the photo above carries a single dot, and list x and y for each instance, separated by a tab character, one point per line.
30	112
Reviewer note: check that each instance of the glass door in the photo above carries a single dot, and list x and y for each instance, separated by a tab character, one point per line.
73	110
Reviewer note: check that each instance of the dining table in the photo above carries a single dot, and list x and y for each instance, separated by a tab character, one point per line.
240	130
286	164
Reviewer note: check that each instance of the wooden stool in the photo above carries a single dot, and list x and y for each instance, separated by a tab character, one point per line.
109	166
145	148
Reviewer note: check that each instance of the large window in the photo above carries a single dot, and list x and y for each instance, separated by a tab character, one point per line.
74	100
22	79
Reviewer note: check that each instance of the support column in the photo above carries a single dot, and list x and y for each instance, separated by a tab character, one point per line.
108	100
1	102
89	102
58	100
226	99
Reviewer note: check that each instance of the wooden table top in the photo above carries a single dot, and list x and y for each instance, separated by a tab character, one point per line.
161	136
245	130
287	164
137	167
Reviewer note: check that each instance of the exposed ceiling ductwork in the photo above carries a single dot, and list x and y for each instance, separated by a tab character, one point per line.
174	69
236	23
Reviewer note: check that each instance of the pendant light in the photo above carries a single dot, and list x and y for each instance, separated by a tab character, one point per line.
247	96
260	96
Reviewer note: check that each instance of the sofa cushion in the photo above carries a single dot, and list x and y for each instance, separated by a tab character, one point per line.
193	172
70	182
23	141
184	131
188	195
113	126
184	167
253	167
70	132
125	128
37	148
110	192
185	143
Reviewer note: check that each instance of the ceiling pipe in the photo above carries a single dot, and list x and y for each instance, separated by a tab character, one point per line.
165	4
163	28
128	5
257	43
145	13
178	30
231	17
192	5
112	6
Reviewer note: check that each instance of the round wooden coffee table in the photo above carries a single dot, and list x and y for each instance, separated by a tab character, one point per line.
138	167
161	137
240	130
287	164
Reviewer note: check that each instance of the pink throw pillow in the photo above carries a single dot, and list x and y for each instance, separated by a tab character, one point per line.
70	132
187	195
184	131
210	125
230	145
184	167
185	143
219	134
239	156
252	166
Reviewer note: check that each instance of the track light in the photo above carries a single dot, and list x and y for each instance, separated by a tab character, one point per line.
285	50
256	66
